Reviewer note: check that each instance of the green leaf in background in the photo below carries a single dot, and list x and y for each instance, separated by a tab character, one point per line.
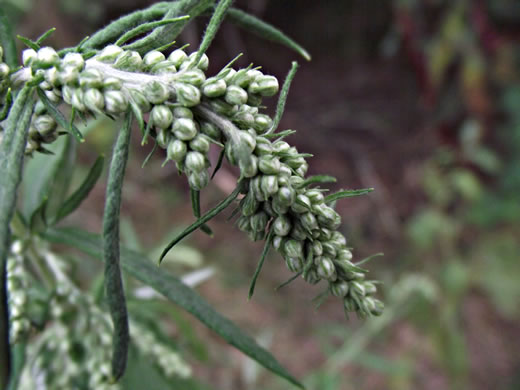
113	281
47	179
7	40
252	24
74	200
347	194
280	107
12	149
213	26
173	289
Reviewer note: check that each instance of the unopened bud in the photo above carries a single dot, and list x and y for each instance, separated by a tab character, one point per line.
187	94
185	129
161	116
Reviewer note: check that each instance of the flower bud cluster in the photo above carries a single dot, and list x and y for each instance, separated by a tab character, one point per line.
17	286
168	360
304	227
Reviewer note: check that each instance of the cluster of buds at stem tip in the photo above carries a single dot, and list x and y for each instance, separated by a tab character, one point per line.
186	112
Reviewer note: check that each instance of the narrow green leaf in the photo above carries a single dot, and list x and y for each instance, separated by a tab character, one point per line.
142	28
58	116
7	40
138	116
147	130
367	259
29	43
12	150
113	282
45	35
267	245
165	34
288	281
149	155
195	205
74	200
280	107
202	220
219	163
213	26
317	179
347	194
7	104
173	289
252	24
280	135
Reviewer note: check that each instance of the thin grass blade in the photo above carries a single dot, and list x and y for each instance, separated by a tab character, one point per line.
267	245
280	107
347	194
213	26
195	205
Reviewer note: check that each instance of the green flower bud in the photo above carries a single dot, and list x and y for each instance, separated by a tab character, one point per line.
248	166
177	150
269	185
311	277
185	129
163	138
265	85
268	208
156	92
308	221
52	76
283	181
193	76
255	187
109	54
302	170
259	221
230	153
235	95
254	99
301	204
115	102
325	234
339	288
73	60
286	196
256	236
44	124
214	87
45	86
269	165
262	123
226	74
294	248
248	140
253	74
241	78
153	58
298	232
350	305
281	147
223	108
282	225
317	248
370	288
4	71
279	243
141	100
325	268
344	254
294	162
195	161
129	60
263	147
161	116
187	94
329	249
54	96
68	75
339	240
182	112
47	57
376	306
163	67
94	100
296	181
202	64
177	57
294	264
278	207
210	130
77	100
198	180
249	204
91	78
39	107
244	224
67	94
112	83
243	118
200	144
28	57
357	289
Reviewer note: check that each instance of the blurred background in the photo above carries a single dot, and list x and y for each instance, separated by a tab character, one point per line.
419	99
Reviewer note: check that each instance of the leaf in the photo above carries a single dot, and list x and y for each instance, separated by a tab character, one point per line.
256	26
219	163
7	40
173	289
195	204
74	200
280	107
45	35
213	26
267	245
12	149
113	282
202	220
29	43
58	116
347	194
142	28
138	116
317	179
280	135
